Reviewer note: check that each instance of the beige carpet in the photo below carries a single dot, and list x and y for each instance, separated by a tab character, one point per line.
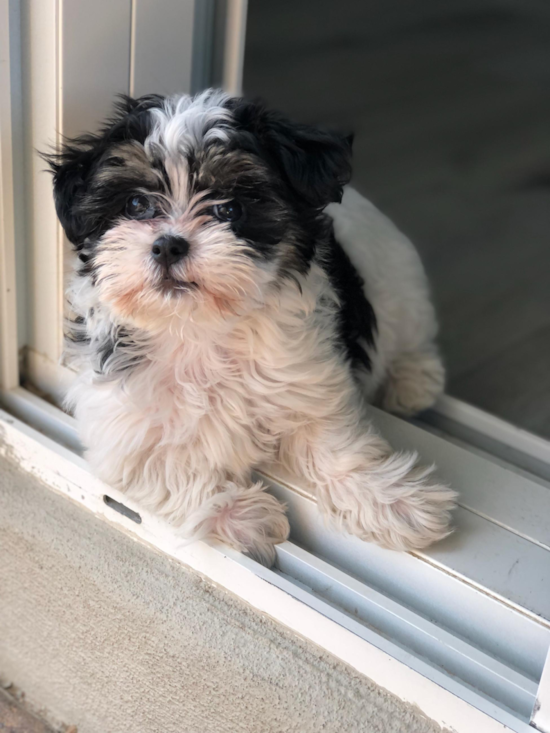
110	636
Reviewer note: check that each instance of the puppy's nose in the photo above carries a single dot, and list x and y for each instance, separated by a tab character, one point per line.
169	249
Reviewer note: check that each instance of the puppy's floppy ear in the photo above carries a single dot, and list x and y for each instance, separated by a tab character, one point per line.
315	163
74	165
71	170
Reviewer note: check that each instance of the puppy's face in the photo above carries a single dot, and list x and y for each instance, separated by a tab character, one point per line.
195	206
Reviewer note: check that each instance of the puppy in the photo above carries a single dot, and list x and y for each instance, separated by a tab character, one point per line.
236	303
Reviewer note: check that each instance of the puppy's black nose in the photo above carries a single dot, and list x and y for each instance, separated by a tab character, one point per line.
169	249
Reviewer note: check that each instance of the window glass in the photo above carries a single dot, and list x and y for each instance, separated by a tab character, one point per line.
450	107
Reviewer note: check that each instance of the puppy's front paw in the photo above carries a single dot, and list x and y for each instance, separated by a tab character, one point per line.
396	505
255	524
418	515
247	518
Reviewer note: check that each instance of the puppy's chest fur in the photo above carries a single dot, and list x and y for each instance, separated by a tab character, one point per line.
232	391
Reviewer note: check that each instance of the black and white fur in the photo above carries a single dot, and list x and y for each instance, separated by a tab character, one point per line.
236	303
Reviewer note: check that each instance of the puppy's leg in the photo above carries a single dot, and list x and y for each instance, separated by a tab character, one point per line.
415	380
367	489
245	517
204	502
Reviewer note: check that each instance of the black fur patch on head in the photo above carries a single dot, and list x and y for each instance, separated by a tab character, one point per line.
87	202
308	168
315	164
312	166
282	174
356	317
236	175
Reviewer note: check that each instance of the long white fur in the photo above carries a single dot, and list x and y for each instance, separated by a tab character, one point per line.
239	372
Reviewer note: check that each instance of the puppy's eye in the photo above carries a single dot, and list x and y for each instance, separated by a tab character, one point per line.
139	207
231	211
115	161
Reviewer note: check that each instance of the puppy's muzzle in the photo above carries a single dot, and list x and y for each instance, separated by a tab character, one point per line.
169	249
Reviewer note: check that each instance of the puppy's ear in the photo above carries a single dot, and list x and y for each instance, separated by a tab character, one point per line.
315	163
71	170
75	164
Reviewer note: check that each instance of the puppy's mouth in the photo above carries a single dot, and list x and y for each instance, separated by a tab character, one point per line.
168	284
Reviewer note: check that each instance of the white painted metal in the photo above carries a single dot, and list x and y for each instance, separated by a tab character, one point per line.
540	718
162	46
42	111
17	137
50	377
499	577
491	434
486	487
94	61
509	553
477	609
408	630
76	56
43	416
235	33
304	594
9	370
490	556
452	704
505	646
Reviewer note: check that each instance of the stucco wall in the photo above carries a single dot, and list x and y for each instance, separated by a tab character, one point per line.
113	637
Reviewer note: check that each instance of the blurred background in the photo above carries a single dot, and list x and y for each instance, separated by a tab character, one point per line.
450	105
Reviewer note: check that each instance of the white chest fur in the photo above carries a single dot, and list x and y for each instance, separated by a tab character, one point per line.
219	400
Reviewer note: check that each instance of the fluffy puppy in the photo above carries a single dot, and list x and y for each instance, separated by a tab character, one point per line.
235	304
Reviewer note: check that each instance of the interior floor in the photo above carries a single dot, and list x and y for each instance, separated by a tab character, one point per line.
450	106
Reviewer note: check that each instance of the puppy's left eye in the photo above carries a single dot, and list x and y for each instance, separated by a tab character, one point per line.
140	207
231	211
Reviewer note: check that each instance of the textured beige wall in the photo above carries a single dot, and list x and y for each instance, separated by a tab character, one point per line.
113	637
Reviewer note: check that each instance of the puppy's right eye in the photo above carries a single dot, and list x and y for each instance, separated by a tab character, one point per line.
139	207
115	161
